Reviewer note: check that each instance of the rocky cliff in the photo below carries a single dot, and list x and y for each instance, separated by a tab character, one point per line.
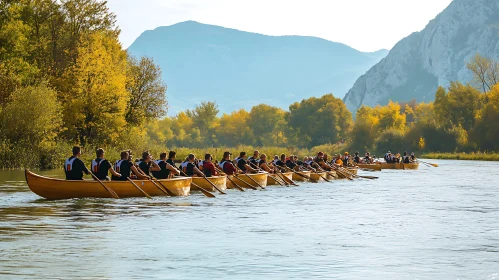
421	62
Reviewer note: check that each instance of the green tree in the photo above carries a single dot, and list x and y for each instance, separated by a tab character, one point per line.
147	91
204	117
266	122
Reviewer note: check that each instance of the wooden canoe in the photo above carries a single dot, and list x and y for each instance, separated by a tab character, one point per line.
51	188
376	167
317	177
271	179
331	175
219	181
260	178
299	178
410	166
353	170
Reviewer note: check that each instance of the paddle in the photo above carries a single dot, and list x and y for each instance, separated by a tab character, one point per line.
163	188
339	171
213	185
228	178
298	173
432	164
110	191
205	192
248	177
283	177
325	179
358	176
145	194
275	179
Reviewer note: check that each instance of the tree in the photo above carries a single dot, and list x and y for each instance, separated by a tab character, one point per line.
485	72
96	100
234	129
485	134
147	91
317	121
204	117
32	116
266	122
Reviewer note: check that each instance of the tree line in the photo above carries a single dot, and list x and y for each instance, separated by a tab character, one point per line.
66	80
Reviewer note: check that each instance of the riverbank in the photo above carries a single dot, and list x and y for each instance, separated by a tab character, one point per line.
463	156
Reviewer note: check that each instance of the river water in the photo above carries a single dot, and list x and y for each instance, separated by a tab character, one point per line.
433	223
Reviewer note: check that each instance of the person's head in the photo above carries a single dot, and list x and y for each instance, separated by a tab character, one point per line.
124	155
356	153
320	155
368	154
207	157
227	155
99	153
242	155
256	154
276	157
412	153
146	156
325	156
338	156
263	157
305	158
389	152
162	156
172	155
283	157
346	154
295	158
405	153
76	151
191	157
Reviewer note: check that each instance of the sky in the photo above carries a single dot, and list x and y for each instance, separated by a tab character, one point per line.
366	25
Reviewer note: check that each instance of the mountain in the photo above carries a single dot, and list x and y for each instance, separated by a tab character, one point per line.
240	69
437	55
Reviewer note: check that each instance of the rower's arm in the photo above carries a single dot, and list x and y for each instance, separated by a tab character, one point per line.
155	167
199	172
172	169
138	173
114	173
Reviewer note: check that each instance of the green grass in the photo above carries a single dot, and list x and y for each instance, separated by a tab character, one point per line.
463	156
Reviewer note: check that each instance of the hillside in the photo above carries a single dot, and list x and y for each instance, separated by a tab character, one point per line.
240	69
437	55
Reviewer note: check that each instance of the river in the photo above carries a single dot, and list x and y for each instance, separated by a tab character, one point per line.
433	223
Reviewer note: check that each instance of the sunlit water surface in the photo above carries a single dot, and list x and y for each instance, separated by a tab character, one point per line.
434	223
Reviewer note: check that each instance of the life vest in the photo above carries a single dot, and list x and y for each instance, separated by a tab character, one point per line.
117	165
158	161
96	164
68	164
184	164
221	163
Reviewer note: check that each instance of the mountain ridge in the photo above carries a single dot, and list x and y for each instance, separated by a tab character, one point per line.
240	69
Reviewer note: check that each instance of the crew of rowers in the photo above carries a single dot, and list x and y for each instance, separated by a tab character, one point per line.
164	168
396	158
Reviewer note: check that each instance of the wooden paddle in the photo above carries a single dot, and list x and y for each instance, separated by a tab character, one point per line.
283	177
338	170
109	190
432	164
145	194
249	177
228	178
213	185
205	192
247	184
275	179
358	176
163	188
298	173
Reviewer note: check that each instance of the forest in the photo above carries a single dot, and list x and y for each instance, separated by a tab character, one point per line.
66	80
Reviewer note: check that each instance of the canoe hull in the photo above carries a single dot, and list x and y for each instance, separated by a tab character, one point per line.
51	188
331	175
260	178
271	179
407	166
219	181
376	167
299	178
317	177
353	170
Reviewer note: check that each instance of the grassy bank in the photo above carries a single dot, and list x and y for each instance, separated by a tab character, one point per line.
463	156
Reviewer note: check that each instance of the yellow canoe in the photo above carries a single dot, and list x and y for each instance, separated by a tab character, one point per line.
376	167
317	177
353	170
219	181
331	175
271	179
299	178
260	178
51	188
411	166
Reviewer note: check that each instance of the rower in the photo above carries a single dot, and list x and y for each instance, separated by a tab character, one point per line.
320	161
126	168
263	164
171	158
226	164
388	157
208	167
356	158
74	167
367	158
292	164
413	157
165	168
254	158
101	166
243	164
346	158
338	160
147	165
406	158
183	165
190	169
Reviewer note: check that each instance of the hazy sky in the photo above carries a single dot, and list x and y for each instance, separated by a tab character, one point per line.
366	25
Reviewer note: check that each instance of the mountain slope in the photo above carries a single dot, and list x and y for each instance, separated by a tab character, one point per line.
419	63
240	69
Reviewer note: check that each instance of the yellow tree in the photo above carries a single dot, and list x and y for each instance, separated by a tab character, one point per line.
234	130
95	98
